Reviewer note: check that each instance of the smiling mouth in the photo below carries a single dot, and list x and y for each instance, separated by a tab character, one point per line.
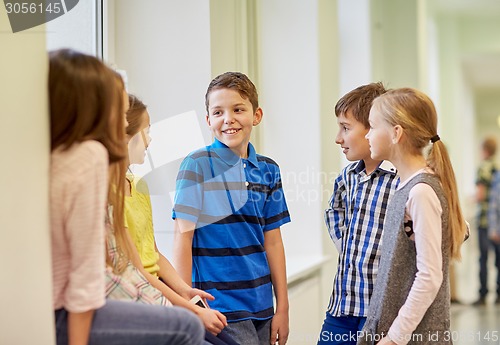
231	131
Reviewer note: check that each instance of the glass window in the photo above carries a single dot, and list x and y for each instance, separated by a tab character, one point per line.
79	28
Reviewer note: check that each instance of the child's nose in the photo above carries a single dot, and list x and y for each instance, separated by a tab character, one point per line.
338	139
229	118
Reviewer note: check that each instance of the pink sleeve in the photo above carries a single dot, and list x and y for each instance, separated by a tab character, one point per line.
424	208
85	233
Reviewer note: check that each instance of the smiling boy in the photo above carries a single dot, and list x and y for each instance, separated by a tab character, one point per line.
355	218
228	209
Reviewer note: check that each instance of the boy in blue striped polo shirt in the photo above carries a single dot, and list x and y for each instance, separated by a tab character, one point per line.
228	209
355	218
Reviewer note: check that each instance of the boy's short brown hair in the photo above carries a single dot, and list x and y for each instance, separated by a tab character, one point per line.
234	81
359	102
489	146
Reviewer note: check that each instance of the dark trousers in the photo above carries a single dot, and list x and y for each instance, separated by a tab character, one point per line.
340	330
484	246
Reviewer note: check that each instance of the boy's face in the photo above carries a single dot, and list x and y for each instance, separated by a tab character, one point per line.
379	136
351	137
231	118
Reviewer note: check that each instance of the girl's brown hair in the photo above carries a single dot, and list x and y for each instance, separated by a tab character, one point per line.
416	114
135	115
82	98
116	189
117	174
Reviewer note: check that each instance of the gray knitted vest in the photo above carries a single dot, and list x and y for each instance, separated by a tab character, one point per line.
397	272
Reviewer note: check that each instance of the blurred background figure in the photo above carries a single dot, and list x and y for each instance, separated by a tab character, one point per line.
486	171
494	227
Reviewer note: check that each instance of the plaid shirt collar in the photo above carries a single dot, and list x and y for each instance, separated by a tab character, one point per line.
383	167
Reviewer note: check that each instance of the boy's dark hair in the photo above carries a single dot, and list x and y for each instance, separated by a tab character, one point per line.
359	102
235	81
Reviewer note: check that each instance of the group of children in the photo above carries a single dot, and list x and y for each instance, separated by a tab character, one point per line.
395	230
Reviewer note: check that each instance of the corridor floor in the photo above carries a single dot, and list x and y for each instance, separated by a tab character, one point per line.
470	324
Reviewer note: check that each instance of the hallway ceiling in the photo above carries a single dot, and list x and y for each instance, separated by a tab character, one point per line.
468	7
481	69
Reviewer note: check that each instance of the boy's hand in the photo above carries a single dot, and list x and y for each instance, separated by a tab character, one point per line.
495	237
213	320
279	329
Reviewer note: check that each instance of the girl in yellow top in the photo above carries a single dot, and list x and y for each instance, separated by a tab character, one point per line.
138	219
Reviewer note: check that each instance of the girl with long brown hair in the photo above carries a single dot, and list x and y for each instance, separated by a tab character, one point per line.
87	122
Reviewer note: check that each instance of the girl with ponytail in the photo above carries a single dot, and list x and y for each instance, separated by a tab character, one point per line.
424	226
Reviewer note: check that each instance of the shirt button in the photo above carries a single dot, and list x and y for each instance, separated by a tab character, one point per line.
244	165
246	183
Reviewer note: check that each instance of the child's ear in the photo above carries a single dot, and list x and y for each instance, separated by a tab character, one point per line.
397	133
207	118
257	117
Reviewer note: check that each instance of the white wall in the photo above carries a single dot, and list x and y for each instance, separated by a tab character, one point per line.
289	89
164	46
229	36
355	40
395	43
26	295
329	48
455	116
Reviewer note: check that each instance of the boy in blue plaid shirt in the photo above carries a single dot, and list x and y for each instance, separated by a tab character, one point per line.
355	218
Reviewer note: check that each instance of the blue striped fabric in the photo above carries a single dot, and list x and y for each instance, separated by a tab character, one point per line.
355	221
232	201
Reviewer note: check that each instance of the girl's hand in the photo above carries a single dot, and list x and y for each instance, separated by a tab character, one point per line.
204	295
213	320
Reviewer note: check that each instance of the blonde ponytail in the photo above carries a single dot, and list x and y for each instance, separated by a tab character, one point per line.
439	160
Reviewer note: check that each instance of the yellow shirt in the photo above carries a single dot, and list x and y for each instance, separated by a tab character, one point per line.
139	221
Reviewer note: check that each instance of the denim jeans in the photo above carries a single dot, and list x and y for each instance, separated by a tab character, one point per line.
340	330
221	339
484	247
250	332
129	323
